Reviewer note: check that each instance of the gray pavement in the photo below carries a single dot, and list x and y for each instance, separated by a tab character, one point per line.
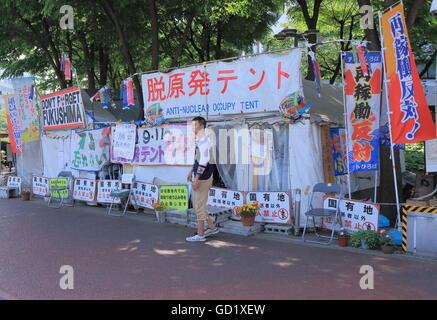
134	257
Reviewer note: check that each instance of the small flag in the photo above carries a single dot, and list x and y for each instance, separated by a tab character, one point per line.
66	66
362	59
130	92
96	96
104	97
317	75
124	95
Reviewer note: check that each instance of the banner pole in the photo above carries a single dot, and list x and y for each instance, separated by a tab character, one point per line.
376	186
345	126
398	220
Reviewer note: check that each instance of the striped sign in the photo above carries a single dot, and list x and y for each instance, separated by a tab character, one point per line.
404	219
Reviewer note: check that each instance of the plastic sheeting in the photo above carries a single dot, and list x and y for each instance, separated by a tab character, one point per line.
29	162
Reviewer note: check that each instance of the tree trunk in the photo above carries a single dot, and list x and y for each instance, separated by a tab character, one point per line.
155	30
112	14
103	66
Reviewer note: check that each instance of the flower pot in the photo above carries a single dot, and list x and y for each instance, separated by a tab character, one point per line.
25	196
343	241
387	249
248	220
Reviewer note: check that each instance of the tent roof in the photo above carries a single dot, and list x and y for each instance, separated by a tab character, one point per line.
329	107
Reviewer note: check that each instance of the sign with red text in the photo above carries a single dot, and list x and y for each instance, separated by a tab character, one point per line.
225	198
248	85
63	109
146	194
14	123
275	206
363	96
355	215
168	144
104	189
40	185
84	189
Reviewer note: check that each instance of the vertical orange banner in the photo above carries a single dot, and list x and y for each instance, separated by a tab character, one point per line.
14	126
411	119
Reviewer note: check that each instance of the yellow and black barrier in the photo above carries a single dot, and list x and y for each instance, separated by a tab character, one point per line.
404	210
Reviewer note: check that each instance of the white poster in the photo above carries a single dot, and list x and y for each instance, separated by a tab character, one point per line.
104	189
225	198
84	189
89	149
165	145
123	141
146	194
355	215
275	206
40	185
248	85
14	182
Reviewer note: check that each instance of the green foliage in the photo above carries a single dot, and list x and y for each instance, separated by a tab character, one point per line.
415	157
371	238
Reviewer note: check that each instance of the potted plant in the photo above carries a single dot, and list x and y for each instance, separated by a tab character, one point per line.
160	207
366	239
343	237
25	194
387	245
248	212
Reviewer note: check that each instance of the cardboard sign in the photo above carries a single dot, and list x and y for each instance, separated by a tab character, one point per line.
59	183
90	149
104	189
63	109
175	197
123	141
355	215
146	194
275	206
14	182
225	198
40	185
84	189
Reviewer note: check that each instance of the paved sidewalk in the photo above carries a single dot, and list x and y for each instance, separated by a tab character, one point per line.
134	257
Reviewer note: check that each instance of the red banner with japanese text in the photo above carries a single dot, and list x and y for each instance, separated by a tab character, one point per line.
248	85
411	119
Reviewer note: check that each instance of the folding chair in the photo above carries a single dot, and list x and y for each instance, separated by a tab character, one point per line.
323	213
69	177
123	194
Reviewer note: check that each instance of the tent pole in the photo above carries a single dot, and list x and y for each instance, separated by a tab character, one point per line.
345	126
398	220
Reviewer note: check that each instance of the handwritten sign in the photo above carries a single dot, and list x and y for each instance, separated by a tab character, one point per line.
63	109
146	194
84	189
275	206
175	197
40	185
161	146
355	215
90	149
104	189
225	198
58	183
123	140
25	98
